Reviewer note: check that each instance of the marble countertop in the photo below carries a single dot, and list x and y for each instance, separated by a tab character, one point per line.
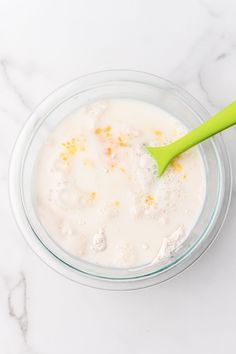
46	43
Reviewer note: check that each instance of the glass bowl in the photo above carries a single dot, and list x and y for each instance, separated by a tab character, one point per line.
106	85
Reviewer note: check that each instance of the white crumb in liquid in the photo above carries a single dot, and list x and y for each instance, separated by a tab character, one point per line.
97	109
170	243
99	242
95	112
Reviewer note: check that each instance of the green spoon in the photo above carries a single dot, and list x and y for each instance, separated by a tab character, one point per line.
222	120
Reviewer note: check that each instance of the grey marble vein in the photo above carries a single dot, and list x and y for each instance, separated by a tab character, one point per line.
19	310
5	65
201	84
221	56
210	10
9	114
191	69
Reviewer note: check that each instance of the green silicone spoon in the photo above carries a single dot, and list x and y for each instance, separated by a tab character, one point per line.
221	121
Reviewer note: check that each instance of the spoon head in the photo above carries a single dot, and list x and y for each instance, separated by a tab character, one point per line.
161	156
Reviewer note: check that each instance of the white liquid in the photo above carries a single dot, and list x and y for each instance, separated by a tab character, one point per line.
97	192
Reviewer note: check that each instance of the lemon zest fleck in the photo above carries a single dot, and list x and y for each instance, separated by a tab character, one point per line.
70	146
108	151
116	203
121	142
92	195
149	200
176	166
98	131
64	156
158	133
107	129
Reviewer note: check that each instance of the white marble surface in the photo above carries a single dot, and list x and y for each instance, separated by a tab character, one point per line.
45	43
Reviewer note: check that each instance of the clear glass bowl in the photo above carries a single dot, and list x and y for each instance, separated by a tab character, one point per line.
105	85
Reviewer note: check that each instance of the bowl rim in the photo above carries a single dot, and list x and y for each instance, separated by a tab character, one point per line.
15	189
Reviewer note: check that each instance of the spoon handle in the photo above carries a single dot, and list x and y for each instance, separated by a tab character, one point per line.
221	121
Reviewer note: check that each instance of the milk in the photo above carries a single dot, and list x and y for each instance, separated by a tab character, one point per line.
97	192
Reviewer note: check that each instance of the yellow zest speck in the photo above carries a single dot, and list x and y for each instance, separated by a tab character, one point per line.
98	131
107	129
121	141
123	169
113	165
158	133
108	151
70	146
104	133
64	156
176	166
184	176
116	203
149	200
109	136
178	158
103	130
92	195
